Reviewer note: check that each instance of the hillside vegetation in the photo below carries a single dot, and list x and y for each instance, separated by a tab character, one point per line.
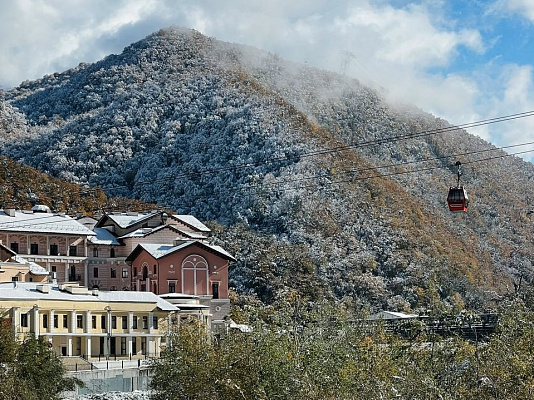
314	182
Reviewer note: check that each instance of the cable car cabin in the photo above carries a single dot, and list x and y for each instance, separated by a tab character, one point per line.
457	199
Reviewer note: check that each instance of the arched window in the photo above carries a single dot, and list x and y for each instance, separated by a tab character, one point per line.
195	275
145	271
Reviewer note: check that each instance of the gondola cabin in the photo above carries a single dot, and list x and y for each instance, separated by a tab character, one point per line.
457	199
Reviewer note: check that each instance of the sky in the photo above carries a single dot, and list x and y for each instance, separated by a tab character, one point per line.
461	60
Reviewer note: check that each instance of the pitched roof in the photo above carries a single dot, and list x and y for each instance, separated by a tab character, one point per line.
125	220
103	236
28	221
391	315
162	250
192	222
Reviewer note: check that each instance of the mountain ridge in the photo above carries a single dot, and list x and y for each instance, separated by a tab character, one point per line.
281	157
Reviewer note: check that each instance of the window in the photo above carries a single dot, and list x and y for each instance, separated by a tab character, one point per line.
45	321
53	250
65	321
15	247
56	323
155	322
34	248
123	345
143	345
113	272
79	321
114	322
155	269
145	322
73	250
134	345
215	290
95	272
95	252
24	320
14	279
112	253
124	322
103	321
134	323
172	287
93	321
125	272
135	271
53	268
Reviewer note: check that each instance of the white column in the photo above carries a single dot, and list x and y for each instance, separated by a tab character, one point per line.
88	326
15	320
88	346
35	321
151	322
130	321
69	346
150	345
130	346
51	322
72	327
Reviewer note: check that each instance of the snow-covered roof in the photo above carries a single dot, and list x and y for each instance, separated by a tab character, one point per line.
103	236
35	268
242	327
192	221
161	250
192	235
158	250
124	220
392	315
27	221
141	232
28	291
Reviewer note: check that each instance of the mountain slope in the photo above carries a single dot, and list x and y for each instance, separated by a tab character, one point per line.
285	157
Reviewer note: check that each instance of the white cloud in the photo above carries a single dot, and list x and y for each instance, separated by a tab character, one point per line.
404	49
48	36
516	95
522	7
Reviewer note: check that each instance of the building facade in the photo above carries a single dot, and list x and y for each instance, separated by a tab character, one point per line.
92	324
145	252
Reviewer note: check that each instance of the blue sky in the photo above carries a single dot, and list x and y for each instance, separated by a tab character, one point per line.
462	60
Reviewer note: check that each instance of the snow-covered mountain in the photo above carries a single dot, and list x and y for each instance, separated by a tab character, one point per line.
316	183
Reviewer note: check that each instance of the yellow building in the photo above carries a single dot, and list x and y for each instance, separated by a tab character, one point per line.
89	323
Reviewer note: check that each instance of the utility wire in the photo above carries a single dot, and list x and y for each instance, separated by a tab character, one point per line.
325	151
351	179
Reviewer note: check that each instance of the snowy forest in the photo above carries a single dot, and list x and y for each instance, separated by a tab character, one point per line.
317	184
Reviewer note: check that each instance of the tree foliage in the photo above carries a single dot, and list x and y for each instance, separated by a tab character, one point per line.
30	370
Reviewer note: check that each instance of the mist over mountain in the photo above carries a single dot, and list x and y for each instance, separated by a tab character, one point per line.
316	183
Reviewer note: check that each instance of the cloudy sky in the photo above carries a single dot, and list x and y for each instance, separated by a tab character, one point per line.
463	60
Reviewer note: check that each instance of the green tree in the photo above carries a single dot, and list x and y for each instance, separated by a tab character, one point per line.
30	370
